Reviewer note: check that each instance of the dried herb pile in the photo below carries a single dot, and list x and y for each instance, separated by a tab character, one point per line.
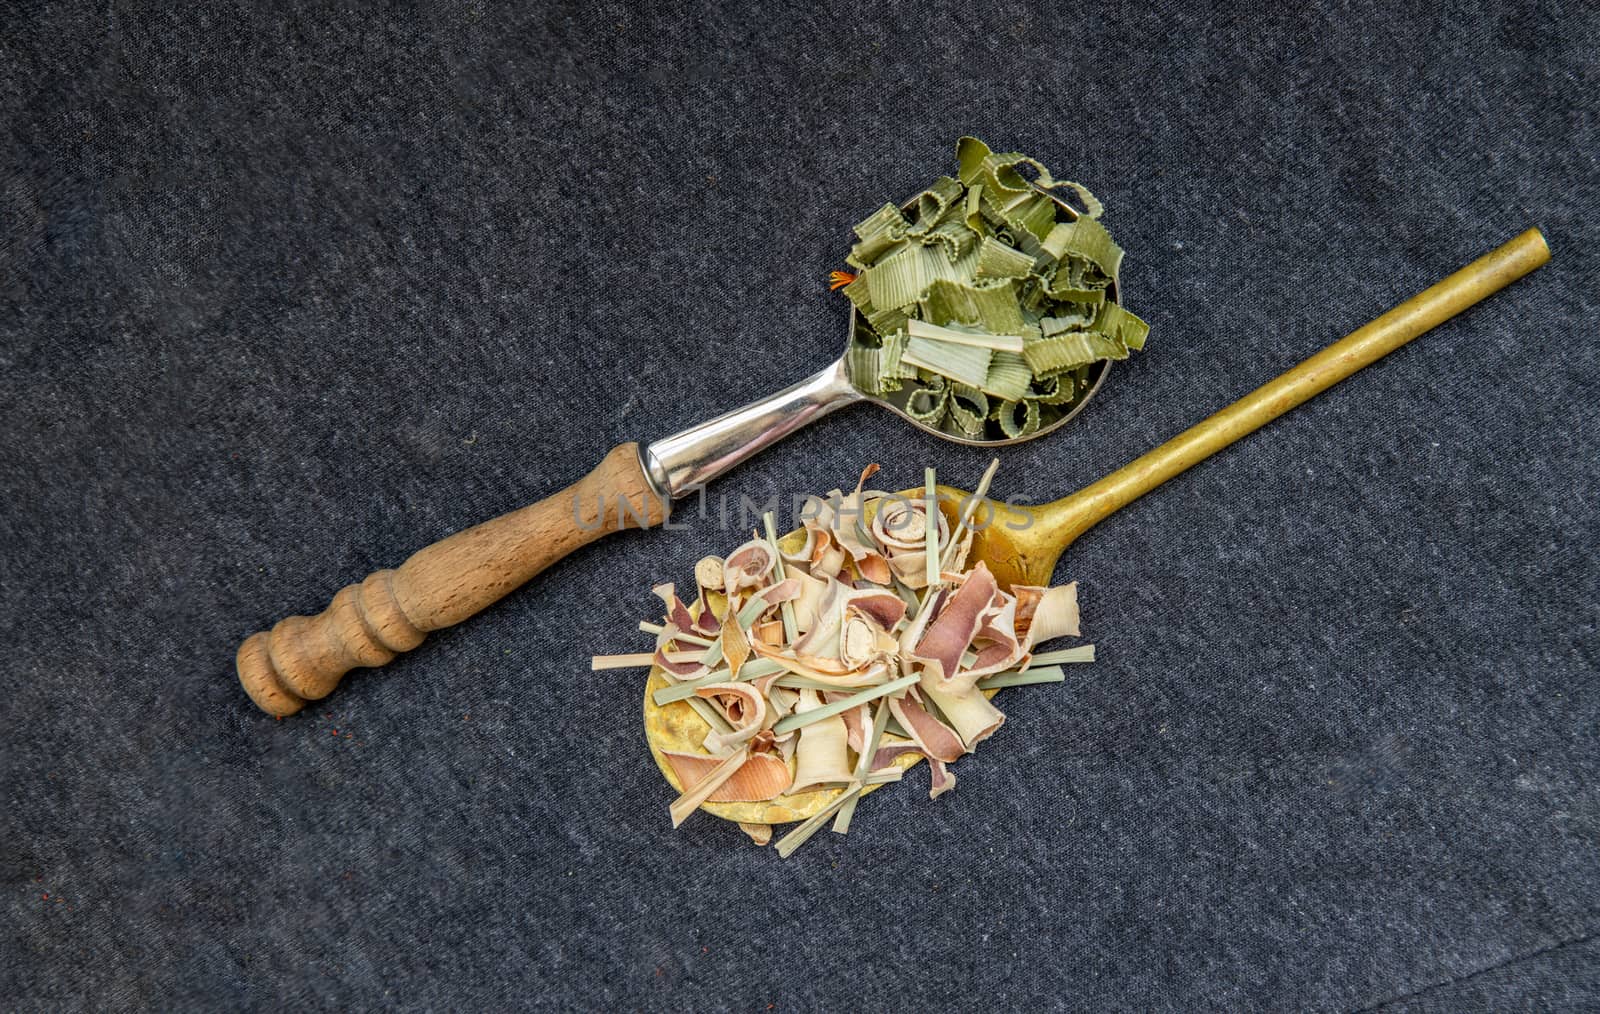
985	308
817	662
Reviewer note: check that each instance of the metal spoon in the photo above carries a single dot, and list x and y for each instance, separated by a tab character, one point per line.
368	624
1022	544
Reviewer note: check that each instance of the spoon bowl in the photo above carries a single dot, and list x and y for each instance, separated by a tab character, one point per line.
684	462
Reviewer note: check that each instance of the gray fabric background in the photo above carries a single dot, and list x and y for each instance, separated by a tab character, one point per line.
285	296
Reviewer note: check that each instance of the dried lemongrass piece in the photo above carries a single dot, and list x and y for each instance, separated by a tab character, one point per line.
735	648
956	550
637	660
708	575
800	835
1082	653
799	721
869	747
701	791
932	737
903	528
969	713
762	777
748	566
794	682
657	628
787	607
822	758
946	638
770	632
1047	613
1043	674
747	615
745	708
752	670
841	680
849	534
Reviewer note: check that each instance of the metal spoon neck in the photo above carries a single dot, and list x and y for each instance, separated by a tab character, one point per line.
682	463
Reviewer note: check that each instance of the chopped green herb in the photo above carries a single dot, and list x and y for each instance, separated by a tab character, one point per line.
993	281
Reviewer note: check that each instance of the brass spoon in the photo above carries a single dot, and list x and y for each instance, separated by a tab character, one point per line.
1022	544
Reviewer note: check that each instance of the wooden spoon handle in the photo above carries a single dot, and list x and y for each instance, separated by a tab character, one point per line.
1071	516
367	624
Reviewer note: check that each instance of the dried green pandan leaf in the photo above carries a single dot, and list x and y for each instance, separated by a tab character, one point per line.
928	403
997	260
1056	389
1070	318
1009	376
1018	418
901	279
878	370
967	364
970	153
954	236
969	408
1062	289
1114	321
1071	349
887	321
877	233
972	212
1084	240
1026	212
1092	208
860	294
986	306
933	202
961	335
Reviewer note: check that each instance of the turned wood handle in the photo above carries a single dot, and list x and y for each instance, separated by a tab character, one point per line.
367	624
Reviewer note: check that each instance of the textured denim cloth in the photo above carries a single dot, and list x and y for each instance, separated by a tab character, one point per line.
286	294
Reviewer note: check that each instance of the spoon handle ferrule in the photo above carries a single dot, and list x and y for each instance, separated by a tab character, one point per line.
686	461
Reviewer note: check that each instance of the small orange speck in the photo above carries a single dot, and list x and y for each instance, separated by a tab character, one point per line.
45	896
839	279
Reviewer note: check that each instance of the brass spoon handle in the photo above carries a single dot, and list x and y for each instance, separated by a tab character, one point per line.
1071	516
